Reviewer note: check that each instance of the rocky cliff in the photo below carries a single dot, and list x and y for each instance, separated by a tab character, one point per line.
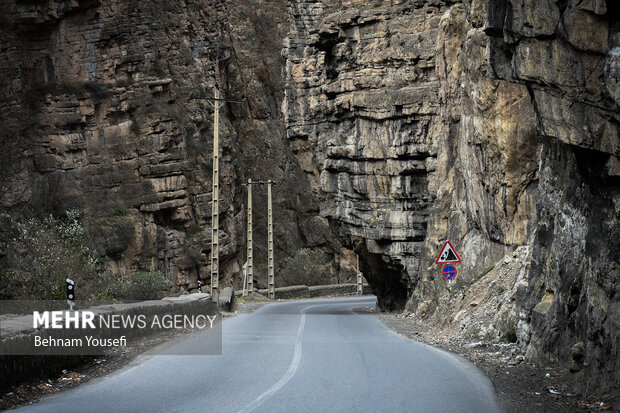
105	109
363	93
493	125
390	125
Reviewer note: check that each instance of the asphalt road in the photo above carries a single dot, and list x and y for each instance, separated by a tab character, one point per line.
302	356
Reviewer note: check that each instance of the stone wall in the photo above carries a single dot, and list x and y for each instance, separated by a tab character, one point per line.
303	291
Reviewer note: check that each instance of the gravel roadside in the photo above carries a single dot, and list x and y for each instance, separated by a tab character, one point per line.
520	386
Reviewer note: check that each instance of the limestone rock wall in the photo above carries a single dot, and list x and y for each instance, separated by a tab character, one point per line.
570	71
490	124
390	126
362	108
104	109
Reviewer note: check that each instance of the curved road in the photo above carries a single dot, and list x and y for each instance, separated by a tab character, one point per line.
301	356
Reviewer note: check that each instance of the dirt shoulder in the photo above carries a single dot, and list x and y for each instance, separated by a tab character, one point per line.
520	386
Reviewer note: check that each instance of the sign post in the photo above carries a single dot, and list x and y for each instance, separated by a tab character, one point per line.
70	293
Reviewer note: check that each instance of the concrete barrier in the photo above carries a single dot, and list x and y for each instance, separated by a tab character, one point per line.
336	289
288	292
226	299
303	291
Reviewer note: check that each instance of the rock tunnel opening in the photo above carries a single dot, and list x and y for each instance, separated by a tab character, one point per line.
385	279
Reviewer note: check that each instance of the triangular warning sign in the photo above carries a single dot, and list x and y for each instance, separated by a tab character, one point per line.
448	255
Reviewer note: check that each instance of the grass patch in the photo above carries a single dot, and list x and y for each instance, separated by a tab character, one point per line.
486	270
250	299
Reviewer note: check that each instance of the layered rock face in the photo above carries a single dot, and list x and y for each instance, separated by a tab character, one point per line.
105	110
361	111
400	124
491	125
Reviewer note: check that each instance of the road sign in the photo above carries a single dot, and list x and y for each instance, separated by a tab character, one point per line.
245	277
449	272
448	255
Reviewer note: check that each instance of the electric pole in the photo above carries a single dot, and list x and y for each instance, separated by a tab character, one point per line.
215	197
250	252
215	276
270	264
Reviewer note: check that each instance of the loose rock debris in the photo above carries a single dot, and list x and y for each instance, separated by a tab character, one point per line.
520	386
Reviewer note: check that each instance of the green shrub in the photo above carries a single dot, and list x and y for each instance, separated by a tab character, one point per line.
120	211
44	253
142	285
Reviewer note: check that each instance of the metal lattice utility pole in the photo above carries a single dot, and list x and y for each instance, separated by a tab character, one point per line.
250	239
360	279
270	263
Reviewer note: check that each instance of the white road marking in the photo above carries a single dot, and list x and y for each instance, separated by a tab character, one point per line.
292	368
